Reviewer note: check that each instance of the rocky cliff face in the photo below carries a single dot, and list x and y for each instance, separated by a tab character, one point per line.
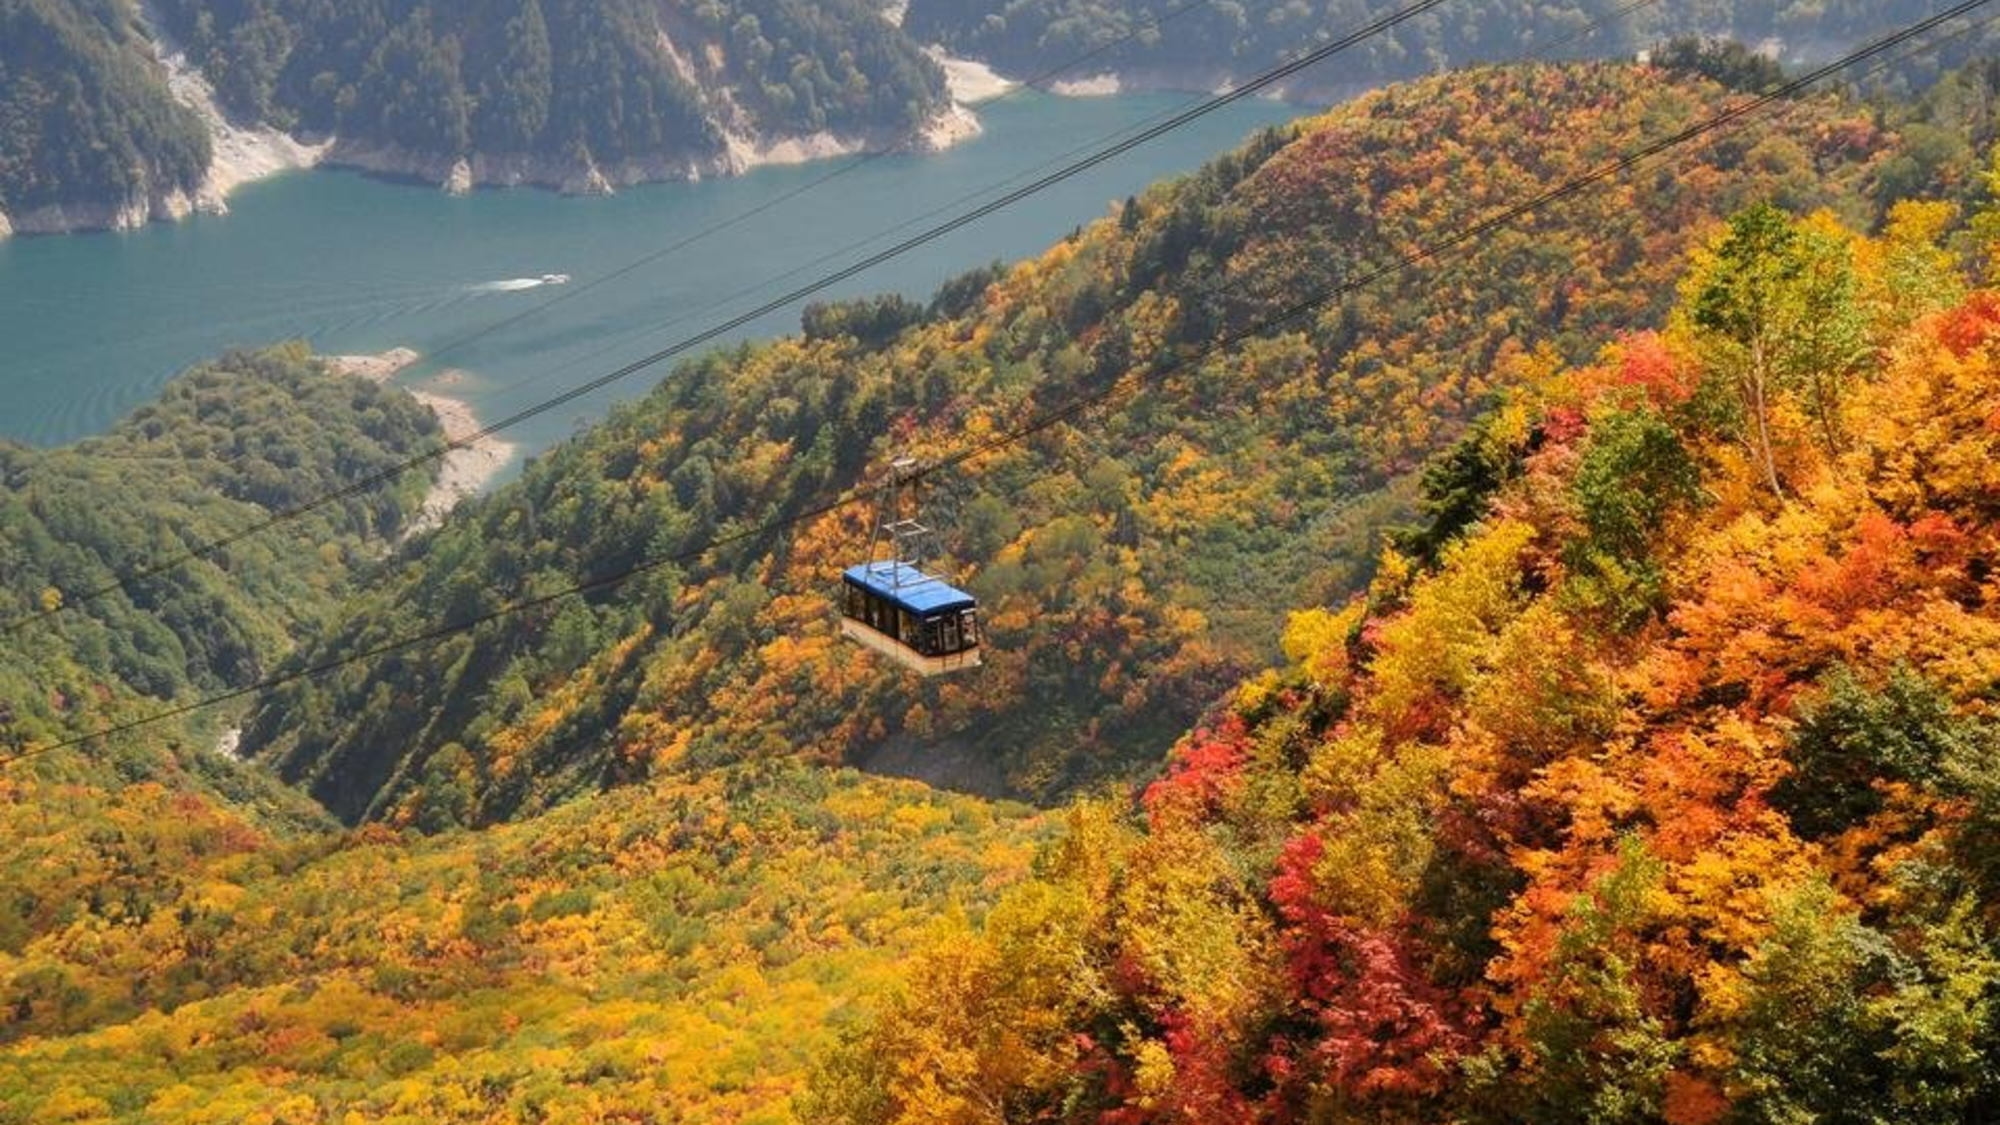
241	152
127	214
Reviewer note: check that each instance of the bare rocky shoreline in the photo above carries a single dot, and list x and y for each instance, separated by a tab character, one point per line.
464	472
242	154
474	461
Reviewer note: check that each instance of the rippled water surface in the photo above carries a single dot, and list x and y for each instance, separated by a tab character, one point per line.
92	325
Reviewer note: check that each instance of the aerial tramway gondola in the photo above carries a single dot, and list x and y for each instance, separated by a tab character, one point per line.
891	606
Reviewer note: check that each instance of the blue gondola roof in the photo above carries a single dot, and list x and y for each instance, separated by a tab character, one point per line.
905	584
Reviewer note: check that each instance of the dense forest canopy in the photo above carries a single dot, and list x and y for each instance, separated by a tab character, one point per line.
1131	566
1659	784
225	446
84	114
1646	775
605	80
1165	43
673	953
644	88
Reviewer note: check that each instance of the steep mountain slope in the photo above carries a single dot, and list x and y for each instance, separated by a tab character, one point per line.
561	92
227	444
1212	43
583	96
1131	565
183	939
1651	779
667	953
1664	791
89	135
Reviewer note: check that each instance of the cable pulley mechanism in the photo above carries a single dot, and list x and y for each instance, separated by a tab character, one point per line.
890	606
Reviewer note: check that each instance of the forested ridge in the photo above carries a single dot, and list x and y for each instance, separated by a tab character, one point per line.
1157	44
573	80
227	444
1130	567
85	117
1654	779
538	91
1556	684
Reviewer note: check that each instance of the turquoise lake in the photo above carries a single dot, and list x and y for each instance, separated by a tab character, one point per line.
92	325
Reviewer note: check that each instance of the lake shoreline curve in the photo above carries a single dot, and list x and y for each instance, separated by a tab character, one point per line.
476	459
243	153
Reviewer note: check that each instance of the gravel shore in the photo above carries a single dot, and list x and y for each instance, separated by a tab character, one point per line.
469	467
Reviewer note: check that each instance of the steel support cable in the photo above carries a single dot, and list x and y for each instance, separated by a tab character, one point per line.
365	484
1540	52
1074	409
570	292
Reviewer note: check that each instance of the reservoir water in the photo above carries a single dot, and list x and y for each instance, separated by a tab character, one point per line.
91	325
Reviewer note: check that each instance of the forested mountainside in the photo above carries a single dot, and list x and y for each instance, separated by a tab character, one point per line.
85	117
1130	566
226	445
609	84
587	95
1157	44
1649	777
1658	780
184	939
672	952
578	94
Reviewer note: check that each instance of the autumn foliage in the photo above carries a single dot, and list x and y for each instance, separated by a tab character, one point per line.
1651	774
1131	563
669	953
1662	792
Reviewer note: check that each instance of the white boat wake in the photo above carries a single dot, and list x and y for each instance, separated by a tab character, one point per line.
514	284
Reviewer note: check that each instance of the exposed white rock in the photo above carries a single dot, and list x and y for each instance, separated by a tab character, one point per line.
588	180
955	124
745	152
467	469
460	180
377	368
6	228
1095	86
242	153
683	66
130	213
391	160
970	82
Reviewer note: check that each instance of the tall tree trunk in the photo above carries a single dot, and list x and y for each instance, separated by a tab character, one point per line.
1761	415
